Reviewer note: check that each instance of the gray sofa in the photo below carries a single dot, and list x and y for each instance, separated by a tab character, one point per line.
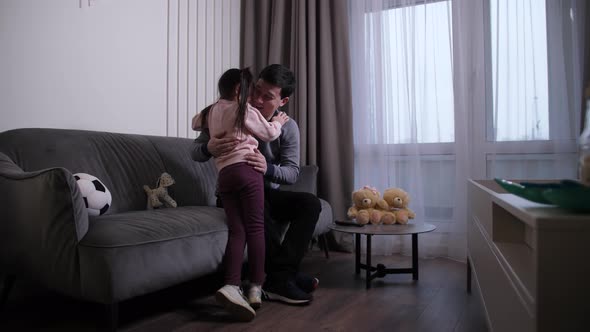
48	237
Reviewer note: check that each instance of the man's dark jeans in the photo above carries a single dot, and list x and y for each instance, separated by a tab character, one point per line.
298	210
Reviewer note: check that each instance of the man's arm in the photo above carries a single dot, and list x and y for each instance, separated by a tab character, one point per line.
204	147
199	151
286	171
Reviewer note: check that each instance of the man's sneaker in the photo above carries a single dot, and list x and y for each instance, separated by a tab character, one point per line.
306	283
255	296
286	291
232	299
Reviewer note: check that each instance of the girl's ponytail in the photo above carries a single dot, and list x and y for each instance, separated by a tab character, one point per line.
243	93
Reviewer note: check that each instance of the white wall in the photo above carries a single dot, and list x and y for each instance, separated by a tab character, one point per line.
133	66
203	42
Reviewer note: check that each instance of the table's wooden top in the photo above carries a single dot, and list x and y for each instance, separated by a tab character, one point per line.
396	229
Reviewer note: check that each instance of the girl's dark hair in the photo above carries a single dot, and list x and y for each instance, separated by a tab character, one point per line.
227	86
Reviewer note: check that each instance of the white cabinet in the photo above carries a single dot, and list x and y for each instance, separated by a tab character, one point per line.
530	262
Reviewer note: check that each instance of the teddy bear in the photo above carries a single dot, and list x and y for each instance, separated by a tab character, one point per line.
367	206
159	197
388	217
397	200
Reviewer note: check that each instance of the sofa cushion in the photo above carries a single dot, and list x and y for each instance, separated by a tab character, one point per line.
133	253
141	227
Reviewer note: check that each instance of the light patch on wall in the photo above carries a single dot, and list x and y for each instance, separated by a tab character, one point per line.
87	3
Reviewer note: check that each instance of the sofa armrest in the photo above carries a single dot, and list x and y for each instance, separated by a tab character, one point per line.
307	181
43	218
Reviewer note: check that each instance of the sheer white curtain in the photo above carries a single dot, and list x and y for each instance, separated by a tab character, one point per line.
448	90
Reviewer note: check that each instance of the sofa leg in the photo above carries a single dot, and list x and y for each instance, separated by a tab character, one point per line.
325	245
112	311
6	287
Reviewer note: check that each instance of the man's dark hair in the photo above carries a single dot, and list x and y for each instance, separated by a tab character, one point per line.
280	76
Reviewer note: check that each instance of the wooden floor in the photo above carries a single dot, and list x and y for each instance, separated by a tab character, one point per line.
437	302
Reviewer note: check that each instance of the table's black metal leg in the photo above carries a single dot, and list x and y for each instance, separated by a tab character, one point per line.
112	311
415	256
368	261
357	258
7	286
468	276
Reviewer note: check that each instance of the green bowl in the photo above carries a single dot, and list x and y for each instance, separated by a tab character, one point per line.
571	198
567	194
531	191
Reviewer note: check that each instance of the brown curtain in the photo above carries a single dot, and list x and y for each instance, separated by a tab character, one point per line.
311	38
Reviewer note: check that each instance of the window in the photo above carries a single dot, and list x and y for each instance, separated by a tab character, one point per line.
412	90
518	37
449	90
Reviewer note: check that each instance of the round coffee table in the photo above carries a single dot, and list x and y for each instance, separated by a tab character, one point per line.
369	230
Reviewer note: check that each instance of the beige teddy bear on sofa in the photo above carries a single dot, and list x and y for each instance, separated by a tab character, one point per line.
159	197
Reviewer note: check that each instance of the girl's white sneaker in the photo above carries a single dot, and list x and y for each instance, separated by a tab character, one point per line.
232	299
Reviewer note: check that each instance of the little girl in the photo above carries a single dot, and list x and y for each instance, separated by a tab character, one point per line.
240	187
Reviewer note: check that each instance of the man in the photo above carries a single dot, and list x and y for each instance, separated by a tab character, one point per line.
279	162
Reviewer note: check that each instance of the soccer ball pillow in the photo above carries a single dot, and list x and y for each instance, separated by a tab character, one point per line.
97	197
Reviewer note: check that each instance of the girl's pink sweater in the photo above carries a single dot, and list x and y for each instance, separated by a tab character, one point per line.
221	119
